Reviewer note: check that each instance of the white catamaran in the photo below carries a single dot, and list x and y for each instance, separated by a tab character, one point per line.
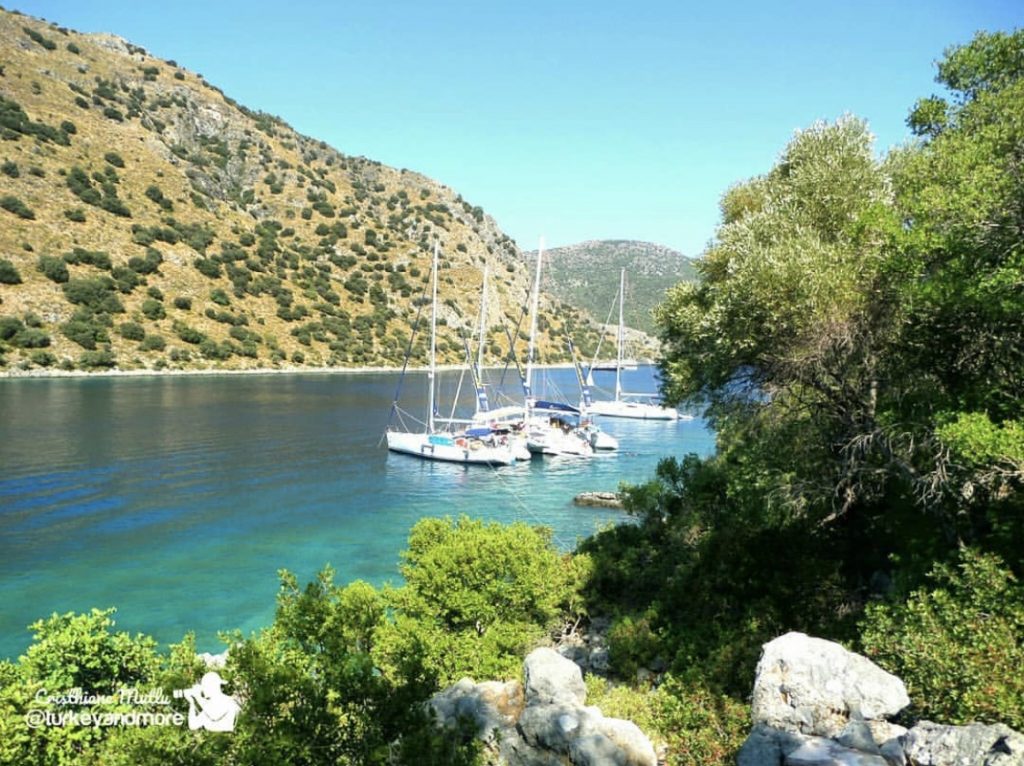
473	446
629	405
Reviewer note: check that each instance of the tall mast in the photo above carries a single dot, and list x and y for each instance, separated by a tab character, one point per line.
534	307
482	405
483	326
433	348
618	343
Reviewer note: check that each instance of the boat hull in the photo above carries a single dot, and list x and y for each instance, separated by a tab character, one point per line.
543	440
428	447
633	410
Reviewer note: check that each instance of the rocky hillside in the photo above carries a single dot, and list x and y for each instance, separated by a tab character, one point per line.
587	275
148	221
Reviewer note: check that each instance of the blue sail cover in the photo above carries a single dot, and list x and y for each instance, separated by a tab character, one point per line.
556	407
478	432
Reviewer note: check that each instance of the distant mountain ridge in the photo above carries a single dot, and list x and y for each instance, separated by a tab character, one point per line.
149	221
586	275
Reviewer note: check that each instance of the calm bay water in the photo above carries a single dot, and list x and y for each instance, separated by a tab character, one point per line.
177	499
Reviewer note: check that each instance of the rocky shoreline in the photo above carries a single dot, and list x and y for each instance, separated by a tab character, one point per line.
814	703
43	372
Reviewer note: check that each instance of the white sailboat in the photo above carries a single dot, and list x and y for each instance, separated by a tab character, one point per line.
599	438
474	446
507	422
551	427
630	405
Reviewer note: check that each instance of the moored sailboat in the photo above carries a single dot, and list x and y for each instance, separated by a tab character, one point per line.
473	446
630	405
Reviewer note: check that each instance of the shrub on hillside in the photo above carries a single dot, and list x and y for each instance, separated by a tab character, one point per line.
95	293
153	342
30	337
12	204
188	334
8	273
43	359
131	331
95	360
53	268
97	258
153	309
85	330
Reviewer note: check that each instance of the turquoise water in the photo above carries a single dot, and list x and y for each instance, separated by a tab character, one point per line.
177	499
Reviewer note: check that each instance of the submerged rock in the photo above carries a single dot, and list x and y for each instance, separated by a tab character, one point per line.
599	500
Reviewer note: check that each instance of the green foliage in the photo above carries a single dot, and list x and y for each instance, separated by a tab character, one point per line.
85	330
114	159
958	644
157	196
14	123
96	294
188	334
97	258
53	268
10	168
105	198
12	204
9	274
131	331
43	41
153	309
30	337
9	327
153	342
98	359
476	595
104	663
696	724
149	264
75	214
43	359
854	339
183	303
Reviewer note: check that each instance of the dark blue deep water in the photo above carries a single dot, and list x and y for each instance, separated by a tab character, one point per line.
177	499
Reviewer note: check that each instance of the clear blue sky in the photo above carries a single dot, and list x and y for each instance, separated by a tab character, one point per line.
575	120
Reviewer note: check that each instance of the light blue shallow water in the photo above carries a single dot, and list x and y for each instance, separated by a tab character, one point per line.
177	499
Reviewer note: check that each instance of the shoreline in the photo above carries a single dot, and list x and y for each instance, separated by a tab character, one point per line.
43	373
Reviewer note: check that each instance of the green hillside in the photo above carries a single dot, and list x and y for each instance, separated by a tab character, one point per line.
151	222
587	276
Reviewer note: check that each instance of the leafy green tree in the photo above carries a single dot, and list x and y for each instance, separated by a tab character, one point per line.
786	332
